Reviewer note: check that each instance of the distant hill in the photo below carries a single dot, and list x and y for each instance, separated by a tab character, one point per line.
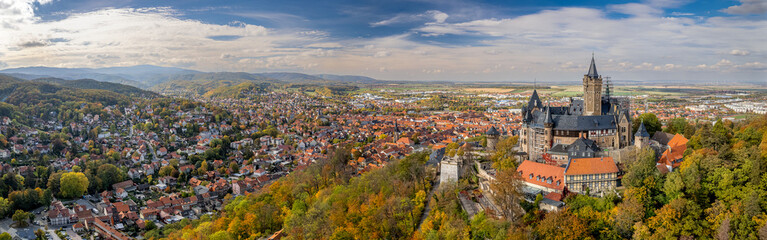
293	77
319	78
171	78
349	78
238	91
30	73
5	79
148	75
93	84
48	96
201	83
142	76
26	76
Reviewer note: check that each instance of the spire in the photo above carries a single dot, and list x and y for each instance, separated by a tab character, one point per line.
535	101
548	119
524	119
642	131
492	131
593	68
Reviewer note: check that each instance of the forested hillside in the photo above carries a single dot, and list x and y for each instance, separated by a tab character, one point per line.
720	192
93	84
323	202
202	83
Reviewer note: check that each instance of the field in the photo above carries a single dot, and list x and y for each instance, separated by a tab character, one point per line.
490	90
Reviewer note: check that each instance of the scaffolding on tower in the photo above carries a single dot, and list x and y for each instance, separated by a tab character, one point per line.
607	86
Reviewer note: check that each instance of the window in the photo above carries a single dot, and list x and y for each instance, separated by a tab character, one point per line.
531	176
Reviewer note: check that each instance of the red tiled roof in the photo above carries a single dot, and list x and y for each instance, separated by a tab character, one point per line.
676	147
545	172
554	196
582	166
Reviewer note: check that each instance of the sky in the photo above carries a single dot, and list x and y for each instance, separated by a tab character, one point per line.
682	41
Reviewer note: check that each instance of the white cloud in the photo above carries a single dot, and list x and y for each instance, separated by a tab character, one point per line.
13	13
552	45
325	45
667	3
428	16
738	52
381	54
139	36
748	7
682	14
753	66
635	9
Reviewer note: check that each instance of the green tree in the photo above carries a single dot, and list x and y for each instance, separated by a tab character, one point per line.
676	125
5	207
166	171
110	174
505	156
651	123
54	183
641	168
20	218
5	236
40	234
73	184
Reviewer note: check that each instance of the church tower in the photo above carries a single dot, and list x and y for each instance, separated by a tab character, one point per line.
592	91
641	137
492	135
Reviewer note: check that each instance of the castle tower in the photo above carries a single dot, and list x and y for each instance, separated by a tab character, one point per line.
641	138
548	126
592	91
492	135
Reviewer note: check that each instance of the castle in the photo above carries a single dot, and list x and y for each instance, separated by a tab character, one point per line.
584	129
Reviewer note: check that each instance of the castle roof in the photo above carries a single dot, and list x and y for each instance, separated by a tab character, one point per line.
642	131
492	131
535	101
548	119
593	69
583	145
573	122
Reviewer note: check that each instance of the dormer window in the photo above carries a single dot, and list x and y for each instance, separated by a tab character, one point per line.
531	176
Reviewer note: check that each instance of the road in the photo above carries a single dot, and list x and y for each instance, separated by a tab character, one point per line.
427	208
